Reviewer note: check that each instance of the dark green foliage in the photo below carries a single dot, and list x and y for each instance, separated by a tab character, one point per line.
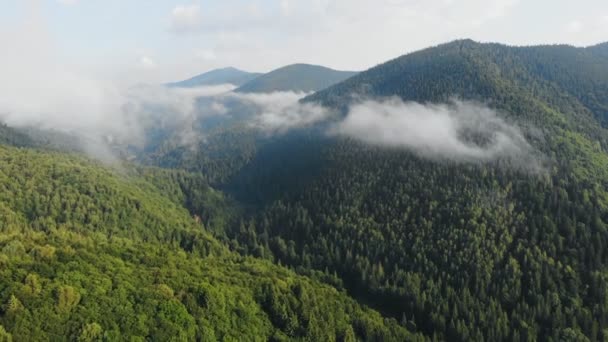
224	153
479	245
457	251
522	81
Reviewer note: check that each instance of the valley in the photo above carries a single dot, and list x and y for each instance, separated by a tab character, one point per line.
454	193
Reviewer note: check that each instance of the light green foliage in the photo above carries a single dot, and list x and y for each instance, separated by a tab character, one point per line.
91	332
92	254
4	335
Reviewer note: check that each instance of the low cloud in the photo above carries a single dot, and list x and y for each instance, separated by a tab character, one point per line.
279	112
37	90
458	131
41	92
174	110
147	63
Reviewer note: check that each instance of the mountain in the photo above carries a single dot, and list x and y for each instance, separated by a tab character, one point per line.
90	253
297	78
474	71
489	249
600	49
217	77
462	251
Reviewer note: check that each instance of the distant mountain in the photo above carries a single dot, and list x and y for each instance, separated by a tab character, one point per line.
600	49
296	77
216	77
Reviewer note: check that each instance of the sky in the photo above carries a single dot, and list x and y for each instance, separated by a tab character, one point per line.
154	41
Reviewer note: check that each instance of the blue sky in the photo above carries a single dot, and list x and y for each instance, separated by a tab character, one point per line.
161	40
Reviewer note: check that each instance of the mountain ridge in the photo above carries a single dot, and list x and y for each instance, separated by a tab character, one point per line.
298	77
600	49
228	75
477	66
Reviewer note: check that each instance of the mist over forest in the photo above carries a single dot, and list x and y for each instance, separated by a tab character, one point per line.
227	171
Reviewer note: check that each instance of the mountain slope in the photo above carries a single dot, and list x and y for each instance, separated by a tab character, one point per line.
13	137
295	77
475	71
89	253
217	77
461	251
600	49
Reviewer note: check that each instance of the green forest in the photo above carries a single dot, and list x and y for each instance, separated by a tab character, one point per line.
459	252
89	254
311	237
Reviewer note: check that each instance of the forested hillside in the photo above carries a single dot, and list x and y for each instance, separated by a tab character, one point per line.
462	250
600	49
153	189
488	72
456	250
89	253
296	77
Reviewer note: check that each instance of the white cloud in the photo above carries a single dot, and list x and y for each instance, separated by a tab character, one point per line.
474	12
343	34
603	23
206	55
41	91
586	31
186	18
575	26
226	16
456	131
307	30
147	62
38	89
280	111
459	131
